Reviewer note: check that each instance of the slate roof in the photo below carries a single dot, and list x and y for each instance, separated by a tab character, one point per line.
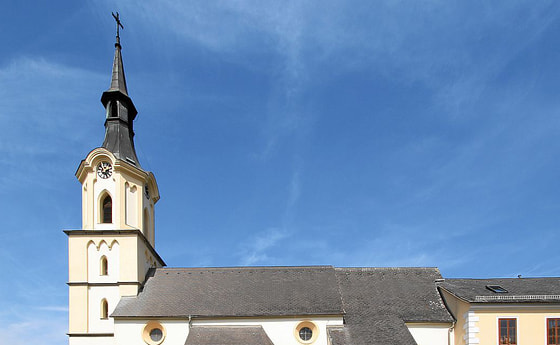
378	302
235	292
227	335
337	335
375	302
519	290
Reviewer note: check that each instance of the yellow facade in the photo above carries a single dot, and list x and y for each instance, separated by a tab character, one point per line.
477	323
126	186
125	245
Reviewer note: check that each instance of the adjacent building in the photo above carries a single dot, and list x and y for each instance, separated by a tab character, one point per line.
504	311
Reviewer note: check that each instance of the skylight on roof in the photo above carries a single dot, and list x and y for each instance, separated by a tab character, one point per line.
496	288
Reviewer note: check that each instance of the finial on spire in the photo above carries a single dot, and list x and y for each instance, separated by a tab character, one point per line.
116	16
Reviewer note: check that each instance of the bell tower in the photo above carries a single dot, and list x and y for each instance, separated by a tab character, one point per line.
112	253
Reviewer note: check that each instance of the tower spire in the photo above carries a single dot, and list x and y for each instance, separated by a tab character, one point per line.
118	80
120	110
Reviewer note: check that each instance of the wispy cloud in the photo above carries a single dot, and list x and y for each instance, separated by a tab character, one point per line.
45	330
43	105
256	251
34	324
62	309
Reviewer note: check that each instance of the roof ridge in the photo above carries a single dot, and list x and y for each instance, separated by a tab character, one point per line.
240	267
503	278
385	268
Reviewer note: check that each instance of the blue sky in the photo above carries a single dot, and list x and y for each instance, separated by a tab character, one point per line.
363	133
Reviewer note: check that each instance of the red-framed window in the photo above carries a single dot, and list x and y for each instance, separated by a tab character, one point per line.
508	331
553	331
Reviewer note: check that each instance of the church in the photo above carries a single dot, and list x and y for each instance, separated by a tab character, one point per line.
122	293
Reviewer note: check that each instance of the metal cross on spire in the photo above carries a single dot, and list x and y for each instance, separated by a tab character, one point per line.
116	16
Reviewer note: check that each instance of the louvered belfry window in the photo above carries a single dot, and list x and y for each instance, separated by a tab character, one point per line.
114	112
107	210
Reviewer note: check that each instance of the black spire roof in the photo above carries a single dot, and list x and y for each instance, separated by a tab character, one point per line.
120	113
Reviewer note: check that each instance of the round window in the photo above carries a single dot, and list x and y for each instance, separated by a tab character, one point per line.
153	333
305	333
156	334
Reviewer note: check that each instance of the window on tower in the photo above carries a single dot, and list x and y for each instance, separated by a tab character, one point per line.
107	215
104	266
114	109
104	309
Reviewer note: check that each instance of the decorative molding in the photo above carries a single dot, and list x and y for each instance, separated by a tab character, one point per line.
471	329
115	233
90	334
517	297
102	284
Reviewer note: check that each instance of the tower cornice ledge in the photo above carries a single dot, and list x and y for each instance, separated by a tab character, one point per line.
124	232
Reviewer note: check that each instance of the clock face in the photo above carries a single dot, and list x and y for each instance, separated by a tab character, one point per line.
104	170
146	192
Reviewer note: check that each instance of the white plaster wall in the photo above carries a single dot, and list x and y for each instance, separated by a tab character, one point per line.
131	205
430	334
279	330
91	341
85	205
148	220
94	262
130	332
95	295
99	186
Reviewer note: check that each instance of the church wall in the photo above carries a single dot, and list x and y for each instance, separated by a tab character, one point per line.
95	295
130	332
112	256
131	204
131	192
430	334
145	260
281	331
124	255
77	259
91	341
77	304
126	186
87	287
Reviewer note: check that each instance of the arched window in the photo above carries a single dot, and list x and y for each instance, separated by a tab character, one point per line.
104	309
114	109
104	269
107	213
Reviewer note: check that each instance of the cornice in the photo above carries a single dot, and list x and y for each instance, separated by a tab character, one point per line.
122	233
